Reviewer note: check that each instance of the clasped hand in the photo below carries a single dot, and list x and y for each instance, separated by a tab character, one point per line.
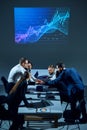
38	81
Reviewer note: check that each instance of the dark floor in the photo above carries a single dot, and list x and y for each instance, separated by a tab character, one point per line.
46	125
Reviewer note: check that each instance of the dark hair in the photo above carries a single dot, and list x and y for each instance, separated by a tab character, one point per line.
22	60
30	62
51	66
60	65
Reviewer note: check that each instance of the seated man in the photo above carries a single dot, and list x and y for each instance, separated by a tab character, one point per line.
50	76
51	71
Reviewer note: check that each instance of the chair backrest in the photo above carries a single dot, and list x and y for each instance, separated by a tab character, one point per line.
5	82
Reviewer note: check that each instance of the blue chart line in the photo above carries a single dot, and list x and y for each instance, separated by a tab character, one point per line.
58	22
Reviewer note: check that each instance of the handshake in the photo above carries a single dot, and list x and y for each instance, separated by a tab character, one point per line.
38	81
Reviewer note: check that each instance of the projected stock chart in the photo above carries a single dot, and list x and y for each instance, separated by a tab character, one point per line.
33	25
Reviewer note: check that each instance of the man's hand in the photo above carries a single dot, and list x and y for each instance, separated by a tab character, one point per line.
38	81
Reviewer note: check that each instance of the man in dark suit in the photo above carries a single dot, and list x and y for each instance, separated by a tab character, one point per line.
69	84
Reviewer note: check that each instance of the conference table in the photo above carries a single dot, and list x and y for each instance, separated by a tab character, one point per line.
45	104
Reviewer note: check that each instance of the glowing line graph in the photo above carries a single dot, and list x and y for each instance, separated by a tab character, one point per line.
34	33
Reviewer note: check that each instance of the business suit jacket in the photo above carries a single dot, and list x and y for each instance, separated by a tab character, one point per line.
68	80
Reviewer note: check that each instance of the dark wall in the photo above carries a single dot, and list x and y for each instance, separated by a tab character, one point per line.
73	53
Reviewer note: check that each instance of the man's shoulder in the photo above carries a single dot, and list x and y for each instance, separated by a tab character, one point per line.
17	68
71	69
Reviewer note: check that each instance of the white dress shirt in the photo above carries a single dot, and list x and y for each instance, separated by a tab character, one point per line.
15	73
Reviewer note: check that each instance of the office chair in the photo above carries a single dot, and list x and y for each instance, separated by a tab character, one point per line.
5	82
